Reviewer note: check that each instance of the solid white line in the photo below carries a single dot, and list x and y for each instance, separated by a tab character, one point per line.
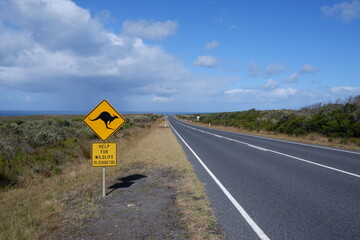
280	153
259	148
245	215
286	141
314	163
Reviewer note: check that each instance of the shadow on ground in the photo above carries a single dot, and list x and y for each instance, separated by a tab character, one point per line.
125	182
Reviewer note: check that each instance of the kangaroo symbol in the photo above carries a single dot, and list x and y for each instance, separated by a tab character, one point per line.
106	118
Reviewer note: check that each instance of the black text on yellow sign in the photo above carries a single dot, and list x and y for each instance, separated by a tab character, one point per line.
104	120
104	154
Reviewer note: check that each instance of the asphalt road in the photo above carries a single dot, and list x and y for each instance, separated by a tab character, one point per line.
262	188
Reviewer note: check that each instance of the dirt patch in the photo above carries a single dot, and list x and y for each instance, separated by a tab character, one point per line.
137	206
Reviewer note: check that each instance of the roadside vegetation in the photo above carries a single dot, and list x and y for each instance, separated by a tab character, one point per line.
159	151
39	146
337	122
50	191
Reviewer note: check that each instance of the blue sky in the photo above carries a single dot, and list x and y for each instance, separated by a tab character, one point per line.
187	56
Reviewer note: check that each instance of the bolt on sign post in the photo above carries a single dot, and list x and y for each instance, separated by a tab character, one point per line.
104	120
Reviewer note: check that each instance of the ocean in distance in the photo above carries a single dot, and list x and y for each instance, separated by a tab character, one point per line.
29	113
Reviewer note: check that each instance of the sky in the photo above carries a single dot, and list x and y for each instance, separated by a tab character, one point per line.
177	56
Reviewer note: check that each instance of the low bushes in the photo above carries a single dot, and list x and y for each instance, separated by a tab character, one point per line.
40	147
338	120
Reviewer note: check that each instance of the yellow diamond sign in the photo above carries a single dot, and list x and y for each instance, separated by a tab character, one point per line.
104	120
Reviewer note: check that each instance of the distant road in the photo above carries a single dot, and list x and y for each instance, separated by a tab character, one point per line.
262	188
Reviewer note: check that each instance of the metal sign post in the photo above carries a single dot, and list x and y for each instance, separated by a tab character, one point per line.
104	177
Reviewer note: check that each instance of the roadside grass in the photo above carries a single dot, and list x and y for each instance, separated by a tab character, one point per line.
42	204
52	207
40	145
311	138
33	211
160	149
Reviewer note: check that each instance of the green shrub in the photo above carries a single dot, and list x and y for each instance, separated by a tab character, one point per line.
56	171
42	146
331	120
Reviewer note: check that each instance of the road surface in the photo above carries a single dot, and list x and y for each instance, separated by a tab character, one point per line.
263	188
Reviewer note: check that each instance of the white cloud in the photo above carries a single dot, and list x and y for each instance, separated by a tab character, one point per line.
149	29
55	25
292	78
346	11
307	68
211	45
258	96
207	61
254	70
55	53
346	90
284	92
286	97
160	99
274	68
271	84
278	68
270	70
57	49
239	91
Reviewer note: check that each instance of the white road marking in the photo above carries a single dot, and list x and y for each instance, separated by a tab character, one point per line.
257	147
314	163
280	140
280	153
242	211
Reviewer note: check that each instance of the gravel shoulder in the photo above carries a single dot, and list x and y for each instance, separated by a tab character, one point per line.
137	207
152	194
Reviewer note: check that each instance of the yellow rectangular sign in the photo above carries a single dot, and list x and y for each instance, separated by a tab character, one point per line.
104	154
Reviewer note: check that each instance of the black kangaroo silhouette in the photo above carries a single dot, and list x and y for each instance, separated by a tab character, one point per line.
106	118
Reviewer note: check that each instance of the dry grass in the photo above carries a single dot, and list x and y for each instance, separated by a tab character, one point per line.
312	138
42	207
160	149
49	208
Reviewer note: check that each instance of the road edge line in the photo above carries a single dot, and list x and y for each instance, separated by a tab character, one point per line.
276	152
281	140
242	211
